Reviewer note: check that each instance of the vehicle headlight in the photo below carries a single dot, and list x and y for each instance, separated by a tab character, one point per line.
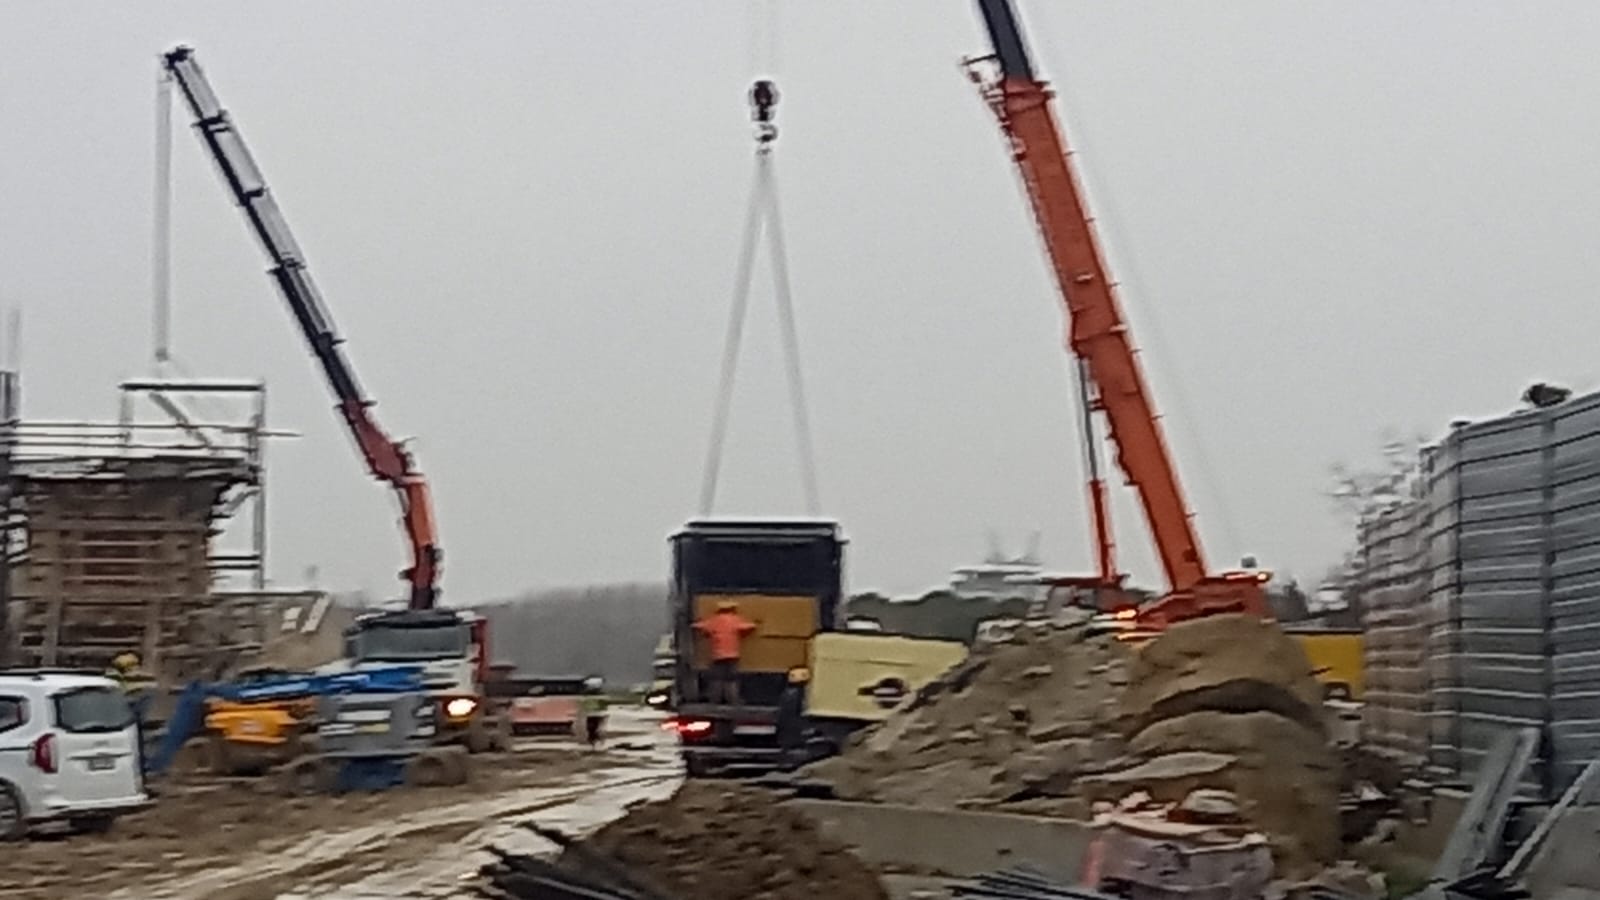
460	707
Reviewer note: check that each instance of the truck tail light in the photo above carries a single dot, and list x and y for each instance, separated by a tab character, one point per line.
691	727
43	754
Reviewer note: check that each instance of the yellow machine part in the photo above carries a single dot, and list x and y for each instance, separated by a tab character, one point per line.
864	676
1336	659
782	639
254	723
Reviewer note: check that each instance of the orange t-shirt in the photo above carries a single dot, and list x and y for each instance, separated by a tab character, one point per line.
725	631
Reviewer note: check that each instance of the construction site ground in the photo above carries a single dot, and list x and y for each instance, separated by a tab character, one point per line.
239	839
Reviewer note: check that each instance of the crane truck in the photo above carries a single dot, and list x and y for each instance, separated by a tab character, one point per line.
450	644
1111	381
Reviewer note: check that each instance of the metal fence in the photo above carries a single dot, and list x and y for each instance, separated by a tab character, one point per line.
1481	592
1390	581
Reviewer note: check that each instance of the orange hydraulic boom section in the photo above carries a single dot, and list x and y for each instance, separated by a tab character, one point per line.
1097	333
387	459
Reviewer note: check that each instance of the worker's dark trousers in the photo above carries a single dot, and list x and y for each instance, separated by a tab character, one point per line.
725	681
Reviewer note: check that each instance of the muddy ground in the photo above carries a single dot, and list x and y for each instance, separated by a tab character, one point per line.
240	839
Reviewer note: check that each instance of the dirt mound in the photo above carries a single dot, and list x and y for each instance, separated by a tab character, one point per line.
1016	720
1284	774
715	841
1052	721
1229	663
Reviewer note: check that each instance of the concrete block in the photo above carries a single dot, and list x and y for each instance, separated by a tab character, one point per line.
952	843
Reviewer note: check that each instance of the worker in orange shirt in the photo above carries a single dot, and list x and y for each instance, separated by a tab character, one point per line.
725	631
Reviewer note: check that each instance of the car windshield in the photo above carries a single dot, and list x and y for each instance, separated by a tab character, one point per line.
93	709
390	643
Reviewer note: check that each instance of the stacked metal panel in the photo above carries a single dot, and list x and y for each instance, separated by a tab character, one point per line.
1574	602
1389	573
1481	597
1488	605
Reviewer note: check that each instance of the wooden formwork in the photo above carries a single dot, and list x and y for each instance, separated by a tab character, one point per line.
116	557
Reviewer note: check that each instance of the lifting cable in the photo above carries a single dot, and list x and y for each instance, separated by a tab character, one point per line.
763	214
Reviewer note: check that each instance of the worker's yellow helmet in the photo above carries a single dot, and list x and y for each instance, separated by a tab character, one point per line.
126	662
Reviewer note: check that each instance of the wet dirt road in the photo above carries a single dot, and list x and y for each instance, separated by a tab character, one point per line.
405	844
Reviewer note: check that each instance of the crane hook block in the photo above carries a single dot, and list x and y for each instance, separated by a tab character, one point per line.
763	102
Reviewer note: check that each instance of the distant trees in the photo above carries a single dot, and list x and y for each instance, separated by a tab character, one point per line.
607	630
936	614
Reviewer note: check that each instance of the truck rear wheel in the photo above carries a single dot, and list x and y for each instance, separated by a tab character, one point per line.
193	758
437	767
219	755
477	738
307	776
500	735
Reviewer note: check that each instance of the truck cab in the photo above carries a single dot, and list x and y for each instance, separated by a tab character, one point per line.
785	576
452	647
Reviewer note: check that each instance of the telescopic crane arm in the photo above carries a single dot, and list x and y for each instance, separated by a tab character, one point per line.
1097	331
387	459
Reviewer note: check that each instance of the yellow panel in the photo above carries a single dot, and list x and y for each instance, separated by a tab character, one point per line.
782	639
1336	658
857	675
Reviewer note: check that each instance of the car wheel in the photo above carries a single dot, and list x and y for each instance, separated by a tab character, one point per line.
13	825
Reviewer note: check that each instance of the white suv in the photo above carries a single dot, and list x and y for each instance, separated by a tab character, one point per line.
69	751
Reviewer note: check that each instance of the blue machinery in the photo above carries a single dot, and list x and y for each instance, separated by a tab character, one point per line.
189	716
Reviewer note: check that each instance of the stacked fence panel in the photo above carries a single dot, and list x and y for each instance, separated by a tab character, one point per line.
1394	715
1481	597
1574	614
1488	491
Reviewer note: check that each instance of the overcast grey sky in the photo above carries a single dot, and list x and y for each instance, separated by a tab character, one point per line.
1330	218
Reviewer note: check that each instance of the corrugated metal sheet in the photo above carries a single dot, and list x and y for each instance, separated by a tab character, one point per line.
1574	592
1394	716
1514	589
1489	523
1481	596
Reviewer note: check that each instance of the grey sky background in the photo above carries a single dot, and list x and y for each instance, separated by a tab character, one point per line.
1329	218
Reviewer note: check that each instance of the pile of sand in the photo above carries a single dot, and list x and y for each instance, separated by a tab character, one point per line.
720	841
1050	722
1016	721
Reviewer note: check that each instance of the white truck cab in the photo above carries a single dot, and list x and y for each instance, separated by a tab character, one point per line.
451	647
69	751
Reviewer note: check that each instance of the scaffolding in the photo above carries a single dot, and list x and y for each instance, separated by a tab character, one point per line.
145	534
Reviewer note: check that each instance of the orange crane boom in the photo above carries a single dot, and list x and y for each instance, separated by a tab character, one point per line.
387	459
1097	333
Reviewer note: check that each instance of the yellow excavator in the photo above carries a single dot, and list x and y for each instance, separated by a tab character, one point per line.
250	737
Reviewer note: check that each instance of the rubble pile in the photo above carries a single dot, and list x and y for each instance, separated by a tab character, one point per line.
1234	686
1216	851
1016	721
1054	722
719	841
